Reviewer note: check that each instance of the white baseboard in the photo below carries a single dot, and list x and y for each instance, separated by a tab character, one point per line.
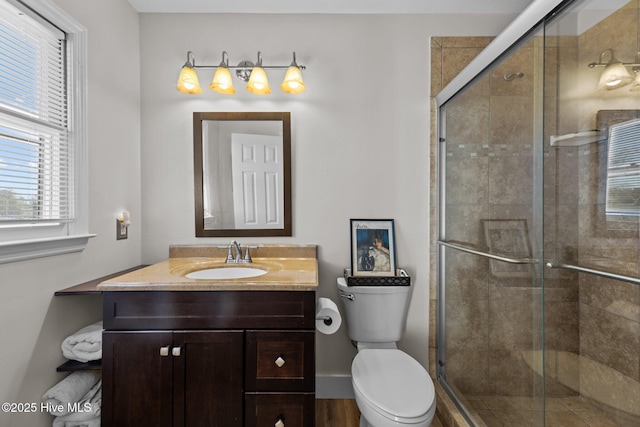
334	387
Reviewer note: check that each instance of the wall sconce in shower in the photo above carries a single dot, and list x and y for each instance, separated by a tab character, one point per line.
253	74
615	73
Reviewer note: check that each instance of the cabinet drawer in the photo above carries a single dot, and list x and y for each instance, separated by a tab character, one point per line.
133	310
280	360
279	409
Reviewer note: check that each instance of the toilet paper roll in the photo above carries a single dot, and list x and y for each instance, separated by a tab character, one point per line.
328	318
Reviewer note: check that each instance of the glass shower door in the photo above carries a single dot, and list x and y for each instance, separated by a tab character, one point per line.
491	241
592	204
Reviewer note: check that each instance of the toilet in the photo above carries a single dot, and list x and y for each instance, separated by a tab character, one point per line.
391	388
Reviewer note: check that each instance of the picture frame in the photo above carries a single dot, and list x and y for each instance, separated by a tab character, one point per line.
508	237
373	247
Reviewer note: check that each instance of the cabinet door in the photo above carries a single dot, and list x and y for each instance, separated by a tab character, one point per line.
137	379
208	378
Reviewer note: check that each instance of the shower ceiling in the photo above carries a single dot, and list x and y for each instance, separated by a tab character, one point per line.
330	6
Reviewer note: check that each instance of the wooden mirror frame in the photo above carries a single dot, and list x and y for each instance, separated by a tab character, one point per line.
198	175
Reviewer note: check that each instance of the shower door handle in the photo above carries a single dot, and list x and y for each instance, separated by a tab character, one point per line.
615	276
473	251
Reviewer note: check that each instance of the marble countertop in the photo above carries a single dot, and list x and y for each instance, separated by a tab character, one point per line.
289	268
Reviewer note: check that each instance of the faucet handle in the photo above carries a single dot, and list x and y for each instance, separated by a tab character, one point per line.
247	254
229	254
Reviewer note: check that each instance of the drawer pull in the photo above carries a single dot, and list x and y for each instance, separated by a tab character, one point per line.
280	363
164	351
175	351
279	423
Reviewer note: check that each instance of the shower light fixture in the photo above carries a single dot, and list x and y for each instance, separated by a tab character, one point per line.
615	73
254	75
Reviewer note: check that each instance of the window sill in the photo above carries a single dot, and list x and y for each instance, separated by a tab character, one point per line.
20	250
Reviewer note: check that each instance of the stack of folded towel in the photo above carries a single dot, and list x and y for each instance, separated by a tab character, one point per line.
76	400
85	345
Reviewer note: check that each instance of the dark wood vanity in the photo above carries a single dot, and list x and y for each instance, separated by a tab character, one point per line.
211	358
210	354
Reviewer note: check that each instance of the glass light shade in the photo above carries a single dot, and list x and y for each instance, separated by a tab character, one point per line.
222	82
292	82
188	81
613	76
258	83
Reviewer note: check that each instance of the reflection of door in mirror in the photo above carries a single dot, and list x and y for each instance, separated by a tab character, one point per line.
256	164
242	174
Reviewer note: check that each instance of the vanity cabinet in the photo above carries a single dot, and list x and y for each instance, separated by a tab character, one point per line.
209	358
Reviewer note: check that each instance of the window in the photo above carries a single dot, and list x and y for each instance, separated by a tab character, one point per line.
623	169
42	131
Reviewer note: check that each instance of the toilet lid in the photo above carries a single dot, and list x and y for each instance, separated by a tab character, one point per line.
393	382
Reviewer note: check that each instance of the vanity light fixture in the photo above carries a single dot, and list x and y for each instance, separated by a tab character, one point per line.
222	81
188	79
615	73
293	83
258	83
254	75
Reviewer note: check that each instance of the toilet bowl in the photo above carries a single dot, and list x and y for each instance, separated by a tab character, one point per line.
392	389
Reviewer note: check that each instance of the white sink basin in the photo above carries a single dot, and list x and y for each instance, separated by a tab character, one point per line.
222	273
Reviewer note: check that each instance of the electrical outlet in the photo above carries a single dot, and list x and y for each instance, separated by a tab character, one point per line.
122	231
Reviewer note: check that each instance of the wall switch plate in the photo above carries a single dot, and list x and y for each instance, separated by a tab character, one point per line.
122	231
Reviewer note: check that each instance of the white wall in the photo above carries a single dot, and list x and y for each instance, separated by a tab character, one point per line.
360	134
33	322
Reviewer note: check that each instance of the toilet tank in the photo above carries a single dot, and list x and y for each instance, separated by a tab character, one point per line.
374	314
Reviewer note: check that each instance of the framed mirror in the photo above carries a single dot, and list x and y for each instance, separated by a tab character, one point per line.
242	174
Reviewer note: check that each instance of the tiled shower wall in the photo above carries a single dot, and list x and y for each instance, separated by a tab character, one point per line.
449	55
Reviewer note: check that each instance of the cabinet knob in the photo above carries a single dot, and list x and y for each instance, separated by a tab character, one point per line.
280	362
279	423
164	351
175	351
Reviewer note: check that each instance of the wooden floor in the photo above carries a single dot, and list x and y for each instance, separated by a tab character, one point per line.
337	413
343	413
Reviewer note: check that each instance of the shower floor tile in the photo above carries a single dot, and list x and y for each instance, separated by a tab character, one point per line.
509	411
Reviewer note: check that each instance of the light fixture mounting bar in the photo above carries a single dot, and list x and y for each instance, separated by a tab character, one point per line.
242	67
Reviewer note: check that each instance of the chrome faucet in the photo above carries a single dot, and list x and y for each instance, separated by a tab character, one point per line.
238	258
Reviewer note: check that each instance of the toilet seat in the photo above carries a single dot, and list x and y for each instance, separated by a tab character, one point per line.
393	384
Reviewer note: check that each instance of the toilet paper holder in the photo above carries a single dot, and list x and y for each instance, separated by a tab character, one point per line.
326	319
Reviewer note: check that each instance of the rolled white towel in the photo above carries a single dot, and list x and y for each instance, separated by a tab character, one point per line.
85	344
88	410
93	422
70	390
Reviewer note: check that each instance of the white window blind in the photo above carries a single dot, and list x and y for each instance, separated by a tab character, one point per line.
36	159
623	169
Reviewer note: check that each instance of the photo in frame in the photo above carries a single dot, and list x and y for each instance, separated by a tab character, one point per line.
373	248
